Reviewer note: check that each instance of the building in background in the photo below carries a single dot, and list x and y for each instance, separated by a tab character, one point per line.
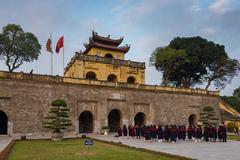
103	59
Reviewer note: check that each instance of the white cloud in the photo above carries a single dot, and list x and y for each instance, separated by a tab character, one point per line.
138	10
208	31
219	6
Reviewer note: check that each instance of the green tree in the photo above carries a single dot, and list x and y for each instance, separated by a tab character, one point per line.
232	126
221	71
233	101
172	63
17	46
236	92
208	116
58	119
194	60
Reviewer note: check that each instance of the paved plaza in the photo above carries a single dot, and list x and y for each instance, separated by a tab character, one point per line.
200	151
4	141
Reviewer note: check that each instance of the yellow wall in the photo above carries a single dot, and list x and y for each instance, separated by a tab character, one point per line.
102	52
228	108
80	68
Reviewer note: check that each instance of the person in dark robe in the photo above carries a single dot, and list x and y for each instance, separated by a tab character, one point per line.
179	132
236	130
119	130
173	134
145	132
138	132
224	132
220	133
184	131
166	134
142	131
151	131
133	131
125	131
148	134
190	132
130	131
210	129
160	133
154	133
194	132
214	133
198	134
206	133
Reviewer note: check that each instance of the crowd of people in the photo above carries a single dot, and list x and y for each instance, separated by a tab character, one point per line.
172	133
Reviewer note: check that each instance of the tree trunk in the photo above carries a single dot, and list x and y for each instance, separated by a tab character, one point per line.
208	85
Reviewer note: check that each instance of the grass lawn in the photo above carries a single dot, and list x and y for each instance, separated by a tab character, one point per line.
74	149
234	137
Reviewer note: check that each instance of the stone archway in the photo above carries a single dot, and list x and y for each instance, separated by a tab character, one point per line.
3	123
86	122
114	120
131	79
192	120
108	55
112	78
91	75
140	119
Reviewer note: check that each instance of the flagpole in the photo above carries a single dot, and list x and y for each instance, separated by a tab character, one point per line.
51	55
63	57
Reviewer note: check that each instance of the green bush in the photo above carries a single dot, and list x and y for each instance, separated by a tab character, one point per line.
208	116
231	126
58	118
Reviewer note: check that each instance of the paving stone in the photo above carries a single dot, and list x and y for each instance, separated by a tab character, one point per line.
191	149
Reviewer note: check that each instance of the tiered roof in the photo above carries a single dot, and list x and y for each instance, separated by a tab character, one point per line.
105	43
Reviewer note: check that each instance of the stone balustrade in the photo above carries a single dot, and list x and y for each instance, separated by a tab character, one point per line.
112	61
58	79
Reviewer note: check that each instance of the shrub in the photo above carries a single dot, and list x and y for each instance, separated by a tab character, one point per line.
232	126
58	118
208	116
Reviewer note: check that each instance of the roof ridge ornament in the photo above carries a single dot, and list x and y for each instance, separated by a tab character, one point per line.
105	43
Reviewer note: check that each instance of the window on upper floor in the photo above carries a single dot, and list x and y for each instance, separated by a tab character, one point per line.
108	55
112	78
131	79
91	76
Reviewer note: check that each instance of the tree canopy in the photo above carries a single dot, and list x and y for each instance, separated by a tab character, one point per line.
236	92
58	118
17	46
233	100
188	61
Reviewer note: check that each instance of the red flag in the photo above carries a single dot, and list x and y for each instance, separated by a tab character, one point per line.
59	44
49	45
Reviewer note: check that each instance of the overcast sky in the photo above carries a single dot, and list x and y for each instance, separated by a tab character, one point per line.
145	25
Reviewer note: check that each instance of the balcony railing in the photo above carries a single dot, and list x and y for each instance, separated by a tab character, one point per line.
58	79
112	61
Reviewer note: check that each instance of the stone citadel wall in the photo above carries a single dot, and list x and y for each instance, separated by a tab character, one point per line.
26	100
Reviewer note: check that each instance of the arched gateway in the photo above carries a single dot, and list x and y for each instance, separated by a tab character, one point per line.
140	118
192	120
114	120
86	122
3	123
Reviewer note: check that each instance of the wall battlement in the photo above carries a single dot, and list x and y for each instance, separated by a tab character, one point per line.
58	79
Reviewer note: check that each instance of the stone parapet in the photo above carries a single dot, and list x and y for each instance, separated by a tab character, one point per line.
58	79
94	58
